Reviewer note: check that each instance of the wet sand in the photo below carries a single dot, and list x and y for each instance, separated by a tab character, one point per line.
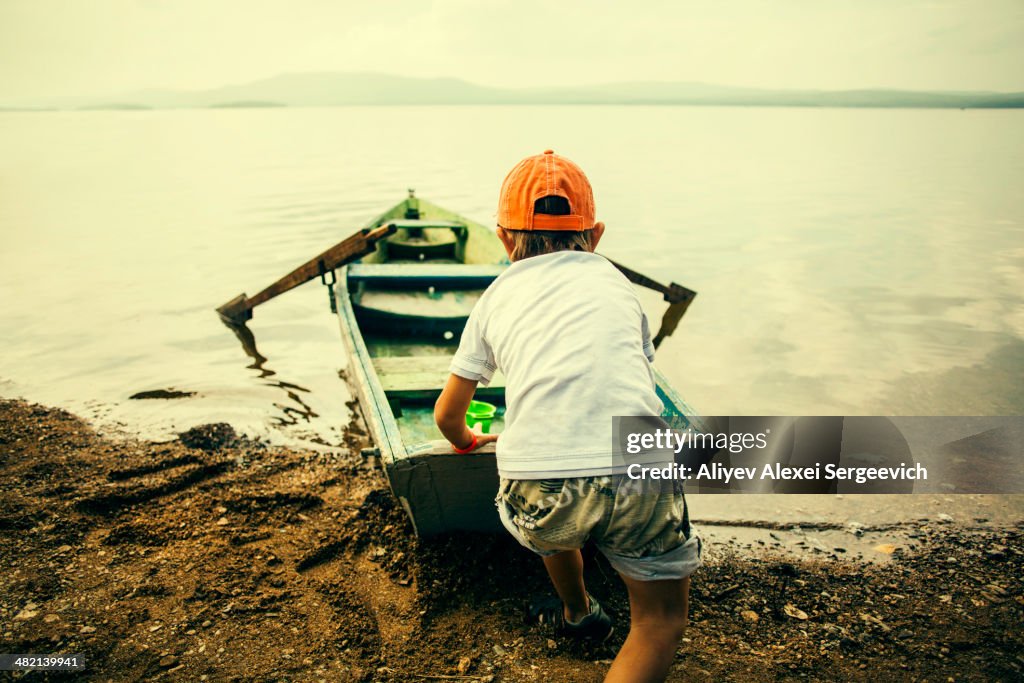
212	557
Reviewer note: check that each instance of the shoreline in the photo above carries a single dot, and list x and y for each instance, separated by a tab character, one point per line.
221	557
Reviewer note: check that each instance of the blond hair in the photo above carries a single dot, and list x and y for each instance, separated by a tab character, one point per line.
527	243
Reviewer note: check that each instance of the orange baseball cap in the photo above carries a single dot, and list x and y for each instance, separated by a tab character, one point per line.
545	175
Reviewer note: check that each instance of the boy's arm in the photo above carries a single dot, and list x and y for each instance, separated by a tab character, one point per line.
450	413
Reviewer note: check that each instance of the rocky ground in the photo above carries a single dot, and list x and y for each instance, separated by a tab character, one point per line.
216	558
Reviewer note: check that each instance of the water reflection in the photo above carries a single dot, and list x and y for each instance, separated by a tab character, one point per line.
291	415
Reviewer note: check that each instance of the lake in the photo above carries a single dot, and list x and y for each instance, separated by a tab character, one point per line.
857	262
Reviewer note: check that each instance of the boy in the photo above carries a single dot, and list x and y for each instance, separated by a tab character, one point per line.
567	330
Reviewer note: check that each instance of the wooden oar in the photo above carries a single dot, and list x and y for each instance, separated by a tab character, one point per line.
239	309
677	296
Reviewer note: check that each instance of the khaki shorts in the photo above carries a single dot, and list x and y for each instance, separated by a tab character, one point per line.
641	526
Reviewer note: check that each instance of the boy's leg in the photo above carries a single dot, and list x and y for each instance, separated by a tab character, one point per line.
566	572
658	614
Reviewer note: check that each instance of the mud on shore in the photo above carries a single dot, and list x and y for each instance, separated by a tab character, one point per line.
216	558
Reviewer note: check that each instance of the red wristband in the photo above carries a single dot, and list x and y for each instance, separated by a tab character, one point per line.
467	449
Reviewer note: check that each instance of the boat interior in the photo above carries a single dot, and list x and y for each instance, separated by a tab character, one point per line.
411	299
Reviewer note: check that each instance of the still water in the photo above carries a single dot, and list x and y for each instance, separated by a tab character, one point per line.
847	261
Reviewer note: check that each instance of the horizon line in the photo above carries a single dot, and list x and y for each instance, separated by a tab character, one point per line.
506	88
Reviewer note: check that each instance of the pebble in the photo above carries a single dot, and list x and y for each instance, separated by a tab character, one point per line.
87	629
794	612
996	552
750	615
552	645
167	661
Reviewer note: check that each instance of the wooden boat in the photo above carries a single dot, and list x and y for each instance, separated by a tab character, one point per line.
402	309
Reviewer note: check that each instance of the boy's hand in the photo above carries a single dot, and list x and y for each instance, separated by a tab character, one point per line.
481	439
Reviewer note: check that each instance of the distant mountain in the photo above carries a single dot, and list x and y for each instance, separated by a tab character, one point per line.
327	89
247	104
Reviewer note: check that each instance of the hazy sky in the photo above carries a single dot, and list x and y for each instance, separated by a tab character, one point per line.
78	47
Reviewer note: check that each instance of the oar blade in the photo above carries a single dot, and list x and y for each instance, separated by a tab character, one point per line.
236	311
670	321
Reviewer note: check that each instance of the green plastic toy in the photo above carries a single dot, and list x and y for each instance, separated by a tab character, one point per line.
480	413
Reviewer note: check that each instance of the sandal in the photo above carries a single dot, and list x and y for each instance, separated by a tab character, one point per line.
596	626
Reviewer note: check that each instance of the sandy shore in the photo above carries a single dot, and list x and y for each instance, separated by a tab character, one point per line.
214	558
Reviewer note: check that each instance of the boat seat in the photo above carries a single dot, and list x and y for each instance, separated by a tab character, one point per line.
422	377
411	242
408	276
417	224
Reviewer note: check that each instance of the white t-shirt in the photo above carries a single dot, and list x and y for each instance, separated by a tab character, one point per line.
568	332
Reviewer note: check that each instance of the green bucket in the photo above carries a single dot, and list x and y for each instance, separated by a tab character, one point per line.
480	413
